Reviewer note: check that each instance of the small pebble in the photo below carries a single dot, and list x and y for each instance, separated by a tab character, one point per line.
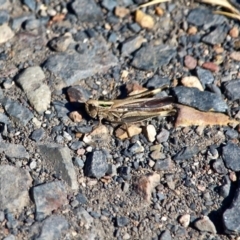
192	81
204	224
190	62
75	116
211	66
121	11
67	136
150	133
234	32
144	20
185	220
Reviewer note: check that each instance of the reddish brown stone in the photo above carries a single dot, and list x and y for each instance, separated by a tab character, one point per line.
211	66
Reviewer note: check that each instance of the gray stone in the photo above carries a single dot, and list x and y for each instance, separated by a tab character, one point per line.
60	159
131	45
81	198
53	228
38	93
31	4
78	162
122	221
163	136
219	167
186	153
217	36
162	165
205	76
60	44
204	224
84	216
49	197
4	17
32	25
18	112
4	119
230	155
87	10
151	57
157	82
202	100
72	67
231	220
226	187
37	135
14	150
165	235
204	16
18	21
96	164
15	184
232	89
109	4
9	237
61	108
6	33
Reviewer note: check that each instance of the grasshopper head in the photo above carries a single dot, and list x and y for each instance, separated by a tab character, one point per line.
91	107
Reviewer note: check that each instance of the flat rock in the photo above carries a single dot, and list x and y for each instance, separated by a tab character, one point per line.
163	165
151	57
15	184
131	45
231	220
232	89
37	135
72	67
53	228
186	153
87	10
6	33
204	224
18	112
204	17
84	216
219	167
205	76
202	100
230	155
96	164
14	150
165	235
55	191
157	82
60	159
38	93
217	36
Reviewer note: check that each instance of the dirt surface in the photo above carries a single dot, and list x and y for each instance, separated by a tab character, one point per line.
62	176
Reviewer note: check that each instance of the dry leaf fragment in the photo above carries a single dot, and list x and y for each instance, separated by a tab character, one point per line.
144	20
188	116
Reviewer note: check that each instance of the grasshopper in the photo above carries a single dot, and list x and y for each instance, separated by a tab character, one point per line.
135	108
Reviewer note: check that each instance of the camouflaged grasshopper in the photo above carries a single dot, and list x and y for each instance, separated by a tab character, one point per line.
134	108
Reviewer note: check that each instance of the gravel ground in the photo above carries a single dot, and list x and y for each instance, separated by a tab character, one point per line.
63	176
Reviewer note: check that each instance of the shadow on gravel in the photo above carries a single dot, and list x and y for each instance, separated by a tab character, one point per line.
217	216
